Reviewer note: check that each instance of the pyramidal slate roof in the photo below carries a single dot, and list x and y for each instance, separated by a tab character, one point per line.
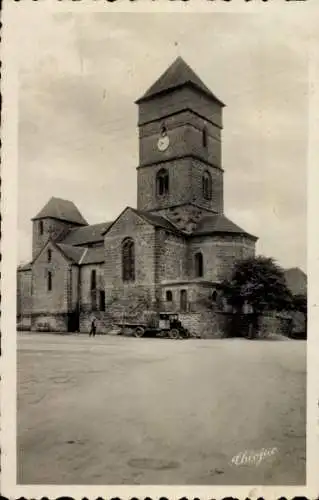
60	209
219	224
86	234
177	75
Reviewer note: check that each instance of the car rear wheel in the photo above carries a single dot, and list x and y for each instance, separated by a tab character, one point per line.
173	334
139	331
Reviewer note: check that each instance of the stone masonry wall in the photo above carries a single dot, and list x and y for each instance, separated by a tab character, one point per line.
24	299
185	139
57	302
185	186
274	324
219	254
171	251
180	188
122	295
181	99
51	228
85	278
204	324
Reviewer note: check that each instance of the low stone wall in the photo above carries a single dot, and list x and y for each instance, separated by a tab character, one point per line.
217	324
206	325
24	323
49	323
274	324
103	322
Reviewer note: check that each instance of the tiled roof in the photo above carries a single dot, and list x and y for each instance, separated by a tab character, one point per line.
178	74
87	234
296	280
158	221
93	256
65	210
73	253
219	224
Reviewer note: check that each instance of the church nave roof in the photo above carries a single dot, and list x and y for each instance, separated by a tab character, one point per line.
87	234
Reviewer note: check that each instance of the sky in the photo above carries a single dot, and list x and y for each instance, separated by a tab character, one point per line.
81	73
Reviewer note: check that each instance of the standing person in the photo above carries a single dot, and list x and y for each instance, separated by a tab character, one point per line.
93	327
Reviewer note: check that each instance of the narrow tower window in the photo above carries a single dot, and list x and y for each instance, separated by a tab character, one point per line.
128	260
49	281
162	182
41	227
199	267
102	300
49	255
183	301
204	137
207	185
93	290
93	279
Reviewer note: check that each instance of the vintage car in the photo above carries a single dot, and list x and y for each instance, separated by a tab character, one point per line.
165	324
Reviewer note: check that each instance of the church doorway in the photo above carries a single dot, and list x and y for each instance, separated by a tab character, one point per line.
183	301
73	322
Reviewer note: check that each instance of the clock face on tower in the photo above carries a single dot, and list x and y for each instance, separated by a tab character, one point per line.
163	142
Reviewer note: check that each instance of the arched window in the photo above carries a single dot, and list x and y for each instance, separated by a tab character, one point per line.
169	296
162	182
207	185
204	137
49	255
41	227
128	260
214	296
199	267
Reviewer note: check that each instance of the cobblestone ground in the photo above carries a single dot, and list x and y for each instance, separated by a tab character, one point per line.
116	410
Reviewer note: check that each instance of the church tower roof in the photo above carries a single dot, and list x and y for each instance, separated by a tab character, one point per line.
60	209
177	75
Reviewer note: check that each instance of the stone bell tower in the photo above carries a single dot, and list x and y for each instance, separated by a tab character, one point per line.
180	124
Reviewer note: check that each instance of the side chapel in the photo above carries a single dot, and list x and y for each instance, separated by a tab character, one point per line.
168	254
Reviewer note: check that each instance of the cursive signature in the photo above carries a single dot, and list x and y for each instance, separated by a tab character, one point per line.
251	457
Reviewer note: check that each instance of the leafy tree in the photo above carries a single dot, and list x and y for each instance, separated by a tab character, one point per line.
299	303
261	283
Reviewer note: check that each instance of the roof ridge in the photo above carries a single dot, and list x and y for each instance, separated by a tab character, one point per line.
83	255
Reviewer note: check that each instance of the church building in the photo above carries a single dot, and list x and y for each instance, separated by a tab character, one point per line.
169	253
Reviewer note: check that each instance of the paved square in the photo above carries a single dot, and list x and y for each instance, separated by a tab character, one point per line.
116	410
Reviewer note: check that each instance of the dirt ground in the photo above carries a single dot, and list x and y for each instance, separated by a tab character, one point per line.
116	410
